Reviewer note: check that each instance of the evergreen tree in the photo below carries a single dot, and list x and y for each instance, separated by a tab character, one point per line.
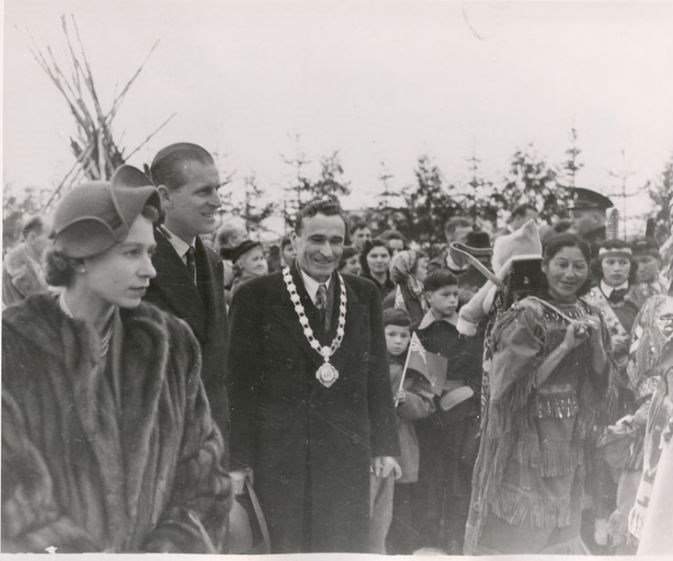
390	208
303	189
295	192
331	181
532	180
661	194
429	204
571	165
254	209
476	196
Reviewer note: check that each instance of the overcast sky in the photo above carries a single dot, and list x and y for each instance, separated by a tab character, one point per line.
378	81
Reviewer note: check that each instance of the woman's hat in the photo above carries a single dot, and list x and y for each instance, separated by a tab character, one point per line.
645	246
477	244
96	215
233	254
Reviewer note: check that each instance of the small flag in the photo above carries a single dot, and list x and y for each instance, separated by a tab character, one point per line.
430	365
399	299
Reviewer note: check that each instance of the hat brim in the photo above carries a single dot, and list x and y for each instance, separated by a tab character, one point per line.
461	255
475	251
237	252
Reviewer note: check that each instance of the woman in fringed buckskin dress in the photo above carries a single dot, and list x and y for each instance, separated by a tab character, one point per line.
549	378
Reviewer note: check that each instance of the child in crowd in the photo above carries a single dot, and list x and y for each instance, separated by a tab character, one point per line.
391	500
447	438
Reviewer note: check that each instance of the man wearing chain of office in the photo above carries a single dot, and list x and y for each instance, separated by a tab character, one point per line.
311	404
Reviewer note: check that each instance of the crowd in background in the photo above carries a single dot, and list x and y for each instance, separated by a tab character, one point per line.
553	414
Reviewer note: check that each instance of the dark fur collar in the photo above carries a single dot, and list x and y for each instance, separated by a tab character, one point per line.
53	330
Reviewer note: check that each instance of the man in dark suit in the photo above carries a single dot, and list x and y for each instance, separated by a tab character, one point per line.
311	402
189	281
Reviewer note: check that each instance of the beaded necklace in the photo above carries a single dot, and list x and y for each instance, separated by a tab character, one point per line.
107	330
326	374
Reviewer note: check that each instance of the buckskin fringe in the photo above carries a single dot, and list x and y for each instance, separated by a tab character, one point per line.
533	511
548	461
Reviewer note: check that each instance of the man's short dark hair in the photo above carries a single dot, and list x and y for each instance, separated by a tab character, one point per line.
439	279
358	224
166	169
396	316
521	210
457	222
329	206
33	224
285	241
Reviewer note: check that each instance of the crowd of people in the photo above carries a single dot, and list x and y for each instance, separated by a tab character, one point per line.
153	359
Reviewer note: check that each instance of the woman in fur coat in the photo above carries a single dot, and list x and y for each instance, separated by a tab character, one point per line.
107	439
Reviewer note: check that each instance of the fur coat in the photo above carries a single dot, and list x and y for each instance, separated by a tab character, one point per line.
82	474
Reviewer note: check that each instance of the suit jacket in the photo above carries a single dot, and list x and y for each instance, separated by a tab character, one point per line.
310	446
204	310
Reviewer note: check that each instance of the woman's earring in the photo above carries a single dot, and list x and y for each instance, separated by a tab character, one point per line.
82	269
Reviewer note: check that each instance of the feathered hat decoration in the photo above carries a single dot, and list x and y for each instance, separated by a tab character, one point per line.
612	224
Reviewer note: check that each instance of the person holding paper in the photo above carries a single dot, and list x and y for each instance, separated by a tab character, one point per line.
551	388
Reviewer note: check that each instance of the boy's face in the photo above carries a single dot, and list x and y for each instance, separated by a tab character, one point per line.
444	300
397	339
648	268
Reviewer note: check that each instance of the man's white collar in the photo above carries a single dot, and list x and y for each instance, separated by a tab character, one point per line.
180	245
311	285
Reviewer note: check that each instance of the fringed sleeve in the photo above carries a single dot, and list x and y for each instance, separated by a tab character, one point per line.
195	519
518	352
519	344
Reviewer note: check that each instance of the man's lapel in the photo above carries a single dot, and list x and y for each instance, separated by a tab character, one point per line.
174	283
286	313
207	282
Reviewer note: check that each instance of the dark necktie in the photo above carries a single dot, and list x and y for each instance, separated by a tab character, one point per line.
191	264
617	295
321	302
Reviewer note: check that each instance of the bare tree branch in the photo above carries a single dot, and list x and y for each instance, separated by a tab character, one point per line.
147	139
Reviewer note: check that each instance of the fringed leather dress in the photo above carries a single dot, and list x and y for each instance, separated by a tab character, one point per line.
529	477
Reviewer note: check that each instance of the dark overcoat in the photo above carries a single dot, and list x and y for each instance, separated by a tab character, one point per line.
83	473
204	310
310	446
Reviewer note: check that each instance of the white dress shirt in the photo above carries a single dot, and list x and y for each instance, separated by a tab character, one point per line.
181	246
311	285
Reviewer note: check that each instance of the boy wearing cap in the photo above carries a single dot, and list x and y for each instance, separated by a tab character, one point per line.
190	276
